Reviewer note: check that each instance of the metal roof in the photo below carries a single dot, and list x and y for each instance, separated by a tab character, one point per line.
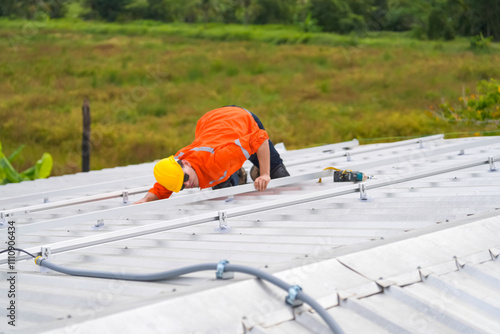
417	254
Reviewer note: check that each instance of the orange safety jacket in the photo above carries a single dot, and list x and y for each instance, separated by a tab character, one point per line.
224	139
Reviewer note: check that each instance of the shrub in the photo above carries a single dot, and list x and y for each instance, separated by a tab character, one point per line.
108	10
272	11
478	42
309	24
331	15
8	174
439	27
29	9
483	106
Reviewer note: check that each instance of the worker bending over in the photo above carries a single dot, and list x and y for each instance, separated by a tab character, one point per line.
224	139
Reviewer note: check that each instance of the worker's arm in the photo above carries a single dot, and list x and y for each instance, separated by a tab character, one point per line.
148	198
157	192
264	157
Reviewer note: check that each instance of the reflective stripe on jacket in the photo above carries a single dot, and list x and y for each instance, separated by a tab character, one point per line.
224	139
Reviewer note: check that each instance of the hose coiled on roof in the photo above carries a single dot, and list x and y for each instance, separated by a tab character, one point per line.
332	324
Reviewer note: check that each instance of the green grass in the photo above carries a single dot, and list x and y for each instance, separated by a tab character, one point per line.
148	83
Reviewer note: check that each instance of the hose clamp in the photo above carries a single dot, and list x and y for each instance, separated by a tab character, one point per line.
220	274
291	299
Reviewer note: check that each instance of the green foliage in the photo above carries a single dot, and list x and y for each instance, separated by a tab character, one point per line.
439	26
405	15
479	16
273	11
331	15
437	19
309	24
30	9
173	10
57	8
482	106
108	10
480	43
8	174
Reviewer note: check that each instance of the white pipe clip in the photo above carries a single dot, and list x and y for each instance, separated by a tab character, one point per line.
221	274
291	299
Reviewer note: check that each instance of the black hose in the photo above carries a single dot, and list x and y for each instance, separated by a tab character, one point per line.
195	268
19	250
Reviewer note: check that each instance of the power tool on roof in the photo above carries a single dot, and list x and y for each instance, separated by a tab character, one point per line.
347	175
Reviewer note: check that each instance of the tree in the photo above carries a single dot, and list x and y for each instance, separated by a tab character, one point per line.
439	25
246	4
335	16
10	8
273	11
205	6
482	17
33	9
57	8
226	10
108	10
159	10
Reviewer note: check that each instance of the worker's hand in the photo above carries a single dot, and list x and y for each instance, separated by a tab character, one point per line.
148	198
142	200
261	182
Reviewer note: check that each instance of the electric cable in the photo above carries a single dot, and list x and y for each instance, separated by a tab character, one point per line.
20	250
332	324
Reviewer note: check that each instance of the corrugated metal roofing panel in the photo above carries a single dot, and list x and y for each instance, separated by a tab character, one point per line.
292	230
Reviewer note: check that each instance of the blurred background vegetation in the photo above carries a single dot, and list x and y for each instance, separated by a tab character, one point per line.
315	72
433	19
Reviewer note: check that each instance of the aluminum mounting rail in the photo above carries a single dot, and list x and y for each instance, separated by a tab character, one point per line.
80	200
41	196
321	149
246	210
372	148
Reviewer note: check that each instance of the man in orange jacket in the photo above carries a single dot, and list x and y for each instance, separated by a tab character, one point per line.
224	139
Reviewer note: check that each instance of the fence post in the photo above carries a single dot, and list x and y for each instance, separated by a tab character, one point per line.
86	136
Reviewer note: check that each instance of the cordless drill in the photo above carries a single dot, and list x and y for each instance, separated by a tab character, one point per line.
348	176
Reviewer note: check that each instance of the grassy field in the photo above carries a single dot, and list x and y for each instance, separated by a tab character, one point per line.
148	84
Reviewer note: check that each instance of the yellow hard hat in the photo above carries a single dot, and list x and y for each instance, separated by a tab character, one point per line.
169	174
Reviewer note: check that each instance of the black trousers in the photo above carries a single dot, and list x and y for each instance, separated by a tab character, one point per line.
274	155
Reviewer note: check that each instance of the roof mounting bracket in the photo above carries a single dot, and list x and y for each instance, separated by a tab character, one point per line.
125	197
291	299
223	226
494	252
99	225
362	192
492	164
348	156
221	274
